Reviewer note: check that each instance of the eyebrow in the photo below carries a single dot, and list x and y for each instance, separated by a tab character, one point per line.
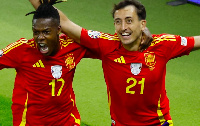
117	19
128	17
120	18
48	28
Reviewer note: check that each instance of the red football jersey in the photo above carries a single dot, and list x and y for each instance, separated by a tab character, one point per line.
136	80
43	94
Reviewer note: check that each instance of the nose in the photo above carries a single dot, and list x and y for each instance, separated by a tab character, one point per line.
123	26
41	36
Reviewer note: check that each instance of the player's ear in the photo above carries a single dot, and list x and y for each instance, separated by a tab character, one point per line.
143	24
59	29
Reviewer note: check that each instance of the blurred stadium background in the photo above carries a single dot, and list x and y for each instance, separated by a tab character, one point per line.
182	80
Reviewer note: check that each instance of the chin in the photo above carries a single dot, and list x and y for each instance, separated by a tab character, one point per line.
45	54
126	42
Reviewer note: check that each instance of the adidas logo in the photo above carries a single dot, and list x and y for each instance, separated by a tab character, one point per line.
39	64
120	60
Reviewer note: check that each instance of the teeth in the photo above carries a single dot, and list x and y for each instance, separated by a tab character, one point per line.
44	49
125	33
42	44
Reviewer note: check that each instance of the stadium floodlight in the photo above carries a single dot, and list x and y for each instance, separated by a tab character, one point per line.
195	2
177	2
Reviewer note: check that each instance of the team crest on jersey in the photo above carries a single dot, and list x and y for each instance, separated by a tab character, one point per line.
1	53
136	68
69	61
94	34
150	60
56	71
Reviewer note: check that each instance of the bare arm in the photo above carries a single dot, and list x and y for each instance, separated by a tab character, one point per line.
146	40
68	27
197	43
35	3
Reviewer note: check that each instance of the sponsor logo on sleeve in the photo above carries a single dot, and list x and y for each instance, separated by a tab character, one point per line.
94	34
56	71
183	41
1	53
136	68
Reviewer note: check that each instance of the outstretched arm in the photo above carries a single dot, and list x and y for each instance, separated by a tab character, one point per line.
68	27
197	43
74	31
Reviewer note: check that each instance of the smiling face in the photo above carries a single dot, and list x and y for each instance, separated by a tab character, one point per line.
128	27
46	35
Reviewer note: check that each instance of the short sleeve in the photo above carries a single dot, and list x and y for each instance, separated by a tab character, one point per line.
173	46
11	56
99	43
90	39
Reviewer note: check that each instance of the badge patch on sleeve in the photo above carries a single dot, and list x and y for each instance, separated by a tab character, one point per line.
183	41
94	34
1	53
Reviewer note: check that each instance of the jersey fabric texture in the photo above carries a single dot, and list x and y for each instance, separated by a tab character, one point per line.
136	80
43	93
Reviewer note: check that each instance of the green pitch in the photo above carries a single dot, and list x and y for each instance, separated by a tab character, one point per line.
182	80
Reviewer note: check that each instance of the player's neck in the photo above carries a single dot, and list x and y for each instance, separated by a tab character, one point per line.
134	46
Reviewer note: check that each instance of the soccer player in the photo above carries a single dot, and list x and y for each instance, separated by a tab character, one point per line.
135	78
45	66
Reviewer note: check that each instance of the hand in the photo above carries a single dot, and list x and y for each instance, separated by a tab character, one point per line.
52	1
146	40
47	1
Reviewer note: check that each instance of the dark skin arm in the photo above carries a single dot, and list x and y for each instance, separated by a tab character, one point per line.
146	40
74	31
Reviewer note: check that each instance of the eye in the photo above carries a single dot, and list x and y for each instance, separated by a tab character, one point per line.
46	32
35	32
129	21
118	22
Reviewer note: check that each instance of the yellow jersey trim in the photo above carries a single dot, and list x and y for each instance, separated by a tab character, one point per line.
78	121
23	122
14	45
160	114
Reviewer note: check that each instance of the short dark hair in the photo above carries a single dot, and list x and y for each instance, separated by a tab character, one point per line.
47	11
141	12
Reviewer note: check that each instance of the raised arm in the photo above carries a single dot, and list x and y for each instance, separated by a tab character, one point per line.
68	27
74	31
146	39
35	3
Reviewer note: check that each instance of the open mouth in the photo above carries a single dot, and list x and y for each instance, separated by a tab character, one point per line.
43	48
125	35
